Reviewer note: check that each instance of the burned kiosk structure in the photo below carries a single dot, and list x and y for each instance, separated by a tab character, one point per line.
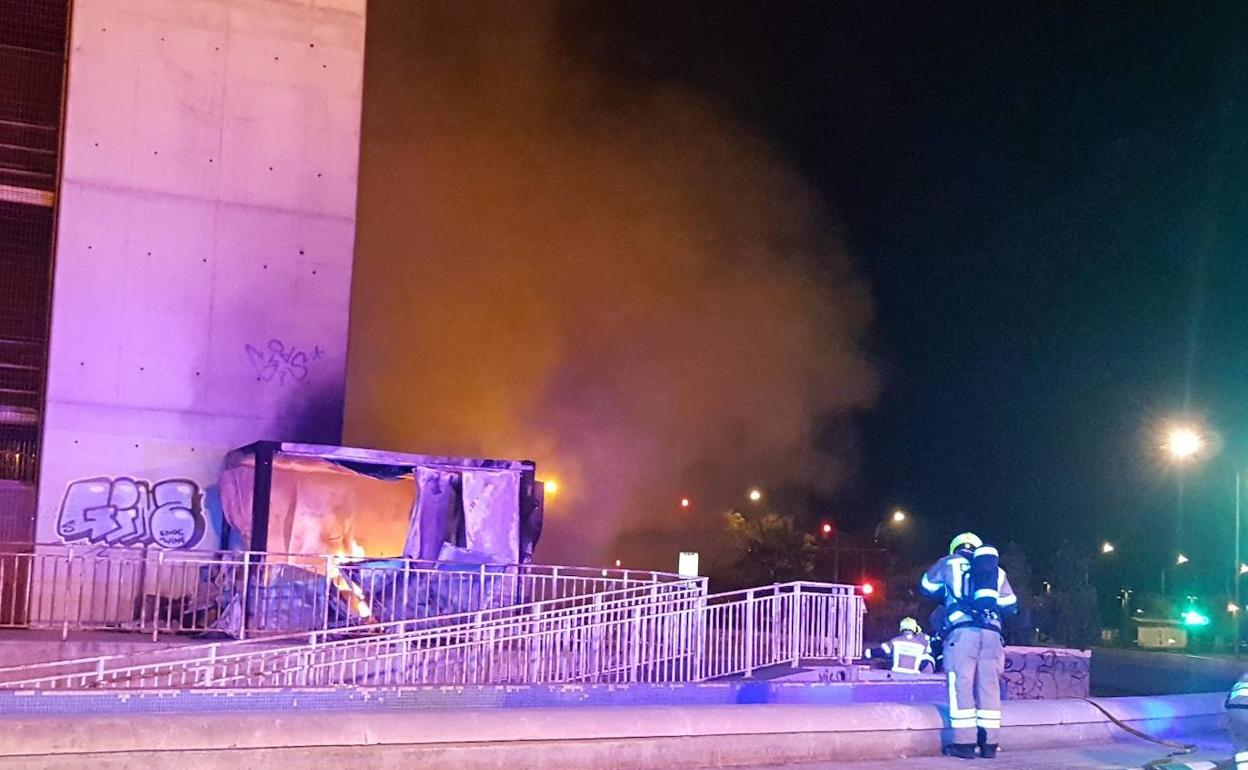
336	537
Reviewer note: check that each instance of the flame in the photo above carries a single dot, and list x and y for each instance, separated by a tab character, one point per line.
343	584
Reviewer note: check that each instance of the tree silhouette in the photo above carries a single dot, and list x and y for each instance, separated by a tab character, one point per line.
768	548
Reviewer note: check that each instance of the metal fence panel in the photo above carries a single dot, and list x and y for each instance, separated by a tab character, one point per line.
656	632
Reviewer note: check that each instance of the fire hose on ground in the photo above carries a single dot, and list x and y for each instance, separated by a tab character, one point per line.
1166	762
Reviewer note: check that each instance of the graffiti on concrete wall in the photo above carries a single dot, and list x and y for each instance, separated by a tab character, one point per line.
1033	673
281	362
125	511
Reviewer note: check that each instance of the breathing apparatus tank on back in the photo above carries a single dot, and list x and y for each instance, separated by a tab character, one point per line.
976	571
985	571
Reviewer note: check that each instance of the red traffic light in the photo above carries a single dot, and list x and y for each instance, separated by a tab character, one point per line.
867	589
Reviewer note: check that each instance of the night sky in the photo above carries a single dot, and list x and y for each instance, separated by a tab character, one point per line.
1048	206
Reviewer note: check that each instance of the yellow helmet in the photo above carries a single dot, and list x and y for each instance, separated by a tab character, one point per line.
912	625
965	540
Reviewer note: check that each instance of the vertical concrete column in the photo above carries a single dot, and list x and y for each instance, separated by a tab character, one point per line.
204	254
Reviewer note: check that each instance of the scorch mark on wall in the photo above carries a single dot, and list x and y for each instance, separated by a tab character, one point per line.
282	363
123	511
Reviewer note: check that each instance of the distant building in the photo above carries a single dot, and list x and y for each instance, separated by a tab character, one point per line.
1159	634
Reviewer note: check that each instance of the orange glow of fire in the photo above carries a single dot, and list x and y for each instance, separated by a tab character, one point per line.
346	586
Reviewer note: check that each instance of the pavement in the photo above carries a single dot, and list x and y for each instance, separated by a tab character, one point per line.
1120	755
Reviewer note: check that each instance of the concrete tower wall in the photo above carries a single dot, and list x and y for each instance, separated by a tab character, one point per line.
203	263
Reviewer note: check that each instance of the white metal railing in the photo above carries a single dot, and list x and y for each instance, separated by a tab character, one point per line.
185	666
758	627
154	591
659	633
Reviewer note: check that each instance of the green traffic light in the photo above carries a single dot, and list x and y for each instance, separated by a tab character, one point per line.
1195	618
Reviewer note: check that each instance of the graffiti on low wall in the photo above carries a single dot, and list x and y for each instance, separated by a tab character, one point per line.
126	511
1034	673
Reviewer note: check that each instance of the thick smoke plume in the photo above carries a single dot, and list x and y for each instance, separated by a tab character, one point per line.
614	281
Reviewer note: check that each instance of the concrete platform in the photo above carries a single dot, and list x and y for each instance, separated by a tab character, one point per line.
580	738
1118	755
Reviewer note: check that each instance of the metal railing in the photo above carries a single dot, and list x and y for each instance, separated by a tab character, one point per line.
154	591
669	632
226	662
759	627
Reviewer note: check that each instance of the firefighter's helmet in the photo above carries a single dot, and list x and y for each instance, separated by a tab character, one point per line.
965	540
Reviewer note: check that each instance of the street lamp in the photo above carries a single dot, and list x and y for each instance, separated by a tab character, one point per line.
896	519
1242	567
1183	443
756	494
1107	547
1178	562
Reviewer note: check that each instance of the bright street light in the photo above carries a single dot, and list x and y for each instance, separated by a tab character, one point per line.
1181	560
756	495
551	488
1183	443
684	502
1107	547
895	519
1232	607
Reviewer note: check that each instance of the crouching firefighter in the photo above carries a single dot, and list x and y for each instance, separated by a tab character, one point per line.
910	651
975	593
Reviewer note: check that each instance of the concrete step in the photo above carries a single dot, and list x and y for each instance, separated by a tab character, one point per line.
585	738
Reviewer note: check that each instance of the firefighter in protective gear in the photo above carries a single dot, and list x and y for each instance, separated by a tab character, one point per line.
1237	721
910	650
975	593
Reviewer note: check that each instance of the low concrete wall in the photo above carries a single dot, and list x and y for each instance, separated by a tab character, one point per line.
1136	672
592	738
18	648
1042	673
138	703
